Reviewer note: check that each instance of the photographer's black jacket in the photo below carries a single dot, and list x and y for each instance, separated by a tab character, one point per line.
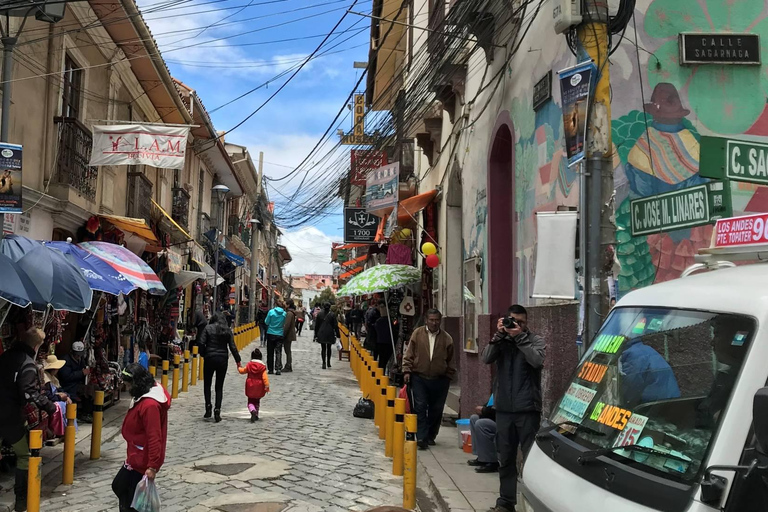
518	371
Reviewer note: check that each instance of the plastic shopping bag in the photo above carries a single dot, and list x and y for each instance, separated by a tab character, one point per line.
146	499
405	394
339	346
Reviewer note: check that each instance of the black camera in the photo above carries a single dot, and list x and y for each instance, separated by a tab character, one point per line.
508	322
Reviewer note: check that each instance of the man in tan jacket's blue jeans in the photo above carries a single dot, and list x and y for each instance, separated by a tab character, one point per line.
428	368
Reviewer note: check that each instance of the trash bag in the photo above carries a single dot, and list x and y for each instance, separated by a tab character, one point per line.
146	499
364	408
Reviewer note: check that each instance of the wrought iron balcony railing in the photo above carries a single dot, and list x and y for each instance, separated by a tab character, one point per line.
75	141
180	212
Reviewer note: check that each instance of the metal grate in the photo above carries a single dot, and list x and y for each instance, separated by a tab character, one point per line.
75	142
139	196
180	212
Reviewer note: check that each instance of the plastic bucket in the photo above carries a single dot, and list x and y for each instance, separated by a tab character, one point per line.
462	426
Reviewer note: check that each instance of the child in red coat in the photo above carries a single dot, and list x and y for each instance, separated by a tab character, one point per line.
257	383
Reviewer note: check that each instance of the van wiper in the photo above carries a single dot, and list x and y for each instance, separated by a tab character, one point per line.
592	455
547	431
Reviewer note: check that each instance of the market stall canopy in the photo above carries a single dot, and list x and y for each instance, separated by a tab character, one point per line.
100	275
351	273
355	261
210	274
128	264
182	279
408	208
382	278
238	261
59	282
136	226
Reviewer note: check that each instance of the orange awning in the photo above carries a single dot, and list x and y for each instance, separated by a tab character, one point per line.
355	261
351	273
136	226
408	208
348	246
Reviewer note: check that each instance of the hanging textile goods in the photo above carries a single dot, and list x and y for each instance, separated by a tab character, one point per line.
100	275
128	264
60	284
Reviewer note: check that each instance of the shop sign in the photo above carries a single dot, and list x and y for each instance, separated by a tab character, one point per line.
708	48
611	415
174	260
10	178
381	188
631	433
542	91
359	226
739	160
364	162
140	144
577	399
575	89
684	208
741	231
358	135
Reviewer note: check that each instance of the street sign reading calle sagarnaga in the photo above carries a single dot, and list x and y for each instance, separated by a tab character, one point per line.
738	160
699	48
680	209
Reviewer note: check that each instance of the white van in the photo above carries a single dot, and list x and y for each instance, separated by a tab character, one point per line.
668	409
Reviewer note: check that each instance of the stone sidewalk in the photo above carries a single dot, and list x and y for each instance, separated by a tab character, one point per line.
307	453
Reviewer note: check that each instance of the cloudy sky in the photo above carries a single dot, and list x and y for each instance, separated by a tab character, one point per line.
225	48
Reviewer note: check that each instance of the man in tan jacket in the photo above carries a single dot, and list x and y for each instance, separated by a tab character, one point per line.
428	368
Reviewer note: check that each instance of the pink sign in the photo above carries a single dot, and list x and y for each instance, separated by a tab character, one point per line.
740	231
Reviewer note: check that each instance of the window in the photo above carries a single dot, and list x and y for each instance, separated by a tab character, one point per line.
72	89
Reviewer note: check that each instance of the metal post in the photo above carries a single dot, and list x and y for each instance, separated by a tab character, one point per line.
383	404
600	231
409	476
9	43
390	421
398	437
216	271
195	359
35	471
68	466
98	418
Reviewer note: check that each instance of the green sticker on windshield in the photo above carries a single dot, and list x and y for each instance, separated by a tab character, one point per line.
608	344
639	327
739	338
655	324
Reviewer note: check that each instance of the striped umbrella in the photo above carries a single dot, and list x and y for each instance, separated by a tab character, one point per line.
128	264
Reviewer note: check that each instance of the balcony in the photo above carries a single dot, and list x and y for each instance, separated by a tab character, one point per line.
139	204
180	211
75	142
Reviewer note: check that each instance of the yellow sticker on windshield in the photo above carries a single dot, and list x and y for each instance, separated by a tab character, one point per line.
608	344
614	417
593	372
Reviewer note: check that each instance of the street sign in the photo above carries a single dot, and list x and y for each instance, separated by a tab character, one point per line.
740	231
359	226
542	91
680	209
698	48
739	160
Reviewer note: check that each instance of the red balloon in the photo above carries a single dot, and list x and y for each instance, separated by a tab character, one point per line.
433	261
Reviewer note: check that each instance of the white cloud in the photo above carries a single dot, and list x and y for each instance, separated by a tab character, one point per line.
310	249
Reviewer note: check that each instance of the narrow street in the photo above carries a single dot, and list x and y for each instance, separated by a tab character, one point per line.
307	453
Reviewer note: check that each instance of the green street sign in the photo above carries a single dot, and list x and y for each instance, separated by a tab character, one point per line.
680	209
738	160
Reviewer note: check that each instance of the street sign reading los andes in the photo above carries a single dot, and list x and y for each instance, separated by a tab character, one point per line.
739	160
680	209
741	231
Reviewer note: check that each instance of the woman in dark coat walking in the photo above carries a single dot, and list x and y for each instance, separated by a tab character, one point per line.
326	332
216	340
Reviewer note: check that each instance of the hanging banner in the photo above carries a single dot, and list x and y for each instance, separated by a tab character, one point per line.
575	90
555	276
10	178
359	226
381	189
137	144
174	257
364	162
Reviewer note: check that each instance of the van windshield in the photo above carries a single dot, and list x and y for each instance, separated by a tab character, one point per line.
658	378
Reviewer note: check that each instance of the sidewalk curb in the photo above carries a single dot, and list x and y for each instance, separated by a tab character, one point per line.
431	488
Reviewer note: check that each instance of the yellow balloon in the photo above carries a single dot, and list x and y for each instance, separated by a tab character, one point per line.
405	232
428	248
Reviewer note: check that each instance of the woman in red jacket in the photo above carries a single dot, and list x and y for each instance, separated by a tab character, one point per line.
145	429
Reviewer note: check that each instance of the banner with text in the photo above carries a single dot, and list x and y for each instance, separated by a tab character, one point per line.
575	90
137	144
359	226
381	189
10	178
364	162
741	231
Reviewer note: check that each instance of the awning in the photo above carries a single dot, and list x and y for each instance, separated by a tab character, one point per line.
278	293
136	226
408	208
173	222
183	278
351	273
355	261
234	258
209	273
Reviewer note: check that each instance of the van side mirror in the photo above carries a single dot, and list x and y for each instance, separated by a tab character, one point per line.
760	418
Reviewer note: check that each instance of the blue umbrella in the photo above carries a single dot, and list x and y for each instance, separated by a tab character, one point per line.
59	282
101	277
15	286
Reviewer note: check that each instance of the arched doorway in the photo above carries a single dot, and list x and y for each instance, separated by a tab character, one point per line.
502	274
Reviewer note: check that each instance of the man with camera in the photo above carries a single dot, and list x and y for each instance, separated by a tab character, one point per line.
519	357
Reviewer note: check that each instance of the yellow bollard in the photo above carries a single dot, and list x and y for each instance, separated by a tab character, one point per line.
68	469
409	475
200	373
398	437
98	418
383	401
153	370
175	379
35	471
185	373
195	357
390	421
376	392
164	376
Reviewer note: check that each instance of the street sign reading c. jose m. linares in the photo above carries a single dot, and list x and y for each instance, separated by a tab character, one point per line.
738	160
680	209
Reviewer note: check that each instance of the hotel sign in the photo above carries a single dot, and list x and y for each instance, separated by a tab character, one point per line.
358	135
700	48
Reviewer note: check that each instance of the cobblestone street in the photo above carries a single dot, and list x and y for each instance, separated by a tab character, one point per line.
307	453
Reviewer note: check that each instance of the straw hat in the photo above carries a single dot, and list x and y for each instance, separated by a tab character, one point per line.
52	363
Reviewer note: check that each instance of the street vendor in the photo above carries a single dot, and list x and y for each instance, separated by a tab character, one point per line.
72	377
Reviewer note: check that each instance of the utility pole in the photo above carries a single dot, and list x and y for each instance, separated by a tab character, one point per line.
255	245
598	191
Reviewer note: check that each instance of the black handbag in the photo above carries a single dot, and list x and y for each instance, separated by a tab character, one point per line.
364	408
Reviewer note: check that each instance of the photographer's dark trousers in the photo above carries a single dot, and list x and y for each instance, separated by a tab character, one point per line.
513	430
428	403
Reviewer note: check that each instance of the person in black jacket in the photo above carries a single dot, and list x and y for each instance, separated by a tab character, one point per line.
519	356
199	324
20	385
326	332
72	378
216	340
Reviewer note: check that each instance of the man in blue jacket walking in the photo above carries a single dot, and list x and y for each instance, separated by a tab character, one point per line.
275	322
